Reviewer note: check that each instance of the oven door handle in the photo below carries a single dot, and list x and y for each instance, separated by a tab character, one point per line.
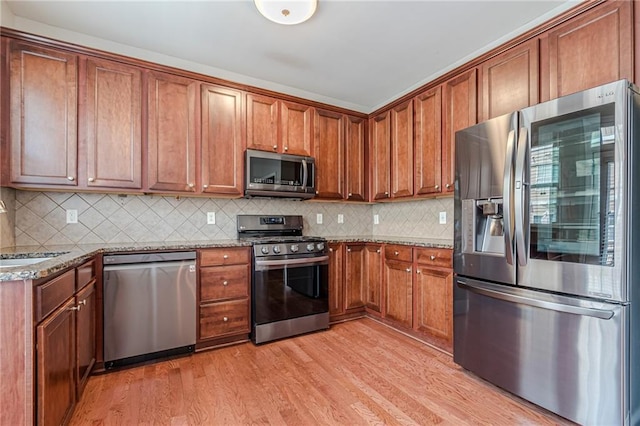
307	261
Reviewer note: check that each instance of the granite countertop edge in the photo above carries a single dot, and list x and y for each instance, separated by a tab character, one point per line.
66	256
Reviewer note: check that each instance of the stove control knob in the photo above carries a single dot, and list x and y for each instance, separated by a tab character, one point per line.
276	249
294	248
320	246
310	246
264	250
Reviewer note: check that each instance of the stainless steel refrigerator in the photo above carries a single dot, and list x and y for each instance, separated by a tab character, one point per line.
547	254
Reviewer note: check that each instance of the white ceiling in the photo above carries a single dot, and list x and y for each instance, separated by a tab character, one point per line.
356	54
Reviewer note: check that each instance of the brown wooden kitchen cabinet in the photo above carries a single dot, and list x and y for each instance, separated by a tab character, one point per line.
329	149
402	150
594	48
85	299
280	126
459	112
509	82
433	310
398	285
223	294
356	168
372	282
223	141
111	124
379	156
428	142
354	267
172	138
43	116
336	279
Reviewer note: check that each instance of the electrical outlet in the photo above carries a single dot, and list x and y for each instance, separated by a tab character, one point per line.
72	216
376	219
443	218
319	218
340	218
211	218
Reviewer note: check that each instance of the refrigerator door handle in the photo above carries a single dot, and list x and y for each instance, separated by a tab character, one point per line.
507	207
544	304
521	188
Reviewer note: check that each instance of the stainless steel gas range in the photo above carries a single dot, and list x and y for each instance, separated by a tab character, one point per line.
289	284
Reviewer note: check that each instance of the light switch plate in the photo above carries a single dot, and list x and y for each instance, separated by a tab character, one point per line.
72	216
211	218
443	218
319	218
340	218
376	219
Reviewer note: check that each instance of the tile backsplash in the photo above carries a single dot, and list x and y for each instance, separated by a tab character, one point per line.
40	218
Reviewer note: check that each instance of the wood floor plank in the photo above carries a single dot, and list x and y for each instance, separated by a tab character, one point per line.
359	372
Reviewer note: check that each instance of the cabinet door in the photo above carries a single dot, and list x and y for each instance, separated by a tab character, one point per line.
398	297
373	277
402	150
428	142
222	141
356	170
380	156
43	105
354	276
329	151
172	136
459	110
592	49
85	335
296	124
56	389
262	123
509	81
336	279
434	302
112	114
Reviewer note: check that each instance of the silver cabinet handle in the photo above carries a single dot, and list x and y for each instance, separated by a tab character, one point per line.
432	257
75	308
83	302
225	319
225	283
91	179
71	178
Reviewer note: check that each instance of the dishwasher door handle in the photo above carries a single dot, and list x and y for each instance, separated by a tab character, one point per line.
150	265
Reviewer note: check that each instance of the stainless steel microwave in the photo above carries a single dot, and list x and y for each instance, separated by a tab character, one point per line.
269	174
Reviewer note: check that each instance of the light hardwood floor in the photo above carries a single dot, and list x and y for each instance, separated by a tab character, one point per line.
357	373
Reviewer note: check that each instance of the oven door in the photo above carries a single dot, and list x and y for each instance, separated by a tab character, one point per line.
289	288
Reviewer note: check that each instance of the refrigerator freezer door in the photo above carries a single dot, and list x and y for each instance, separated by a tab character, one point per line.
483	204
567	355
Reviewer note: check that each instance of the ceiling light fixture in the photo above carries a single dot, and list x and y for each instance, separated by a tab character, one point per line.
287	12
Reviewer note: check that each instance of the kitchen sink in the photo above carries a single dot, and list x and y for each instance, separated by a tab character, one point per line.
26	261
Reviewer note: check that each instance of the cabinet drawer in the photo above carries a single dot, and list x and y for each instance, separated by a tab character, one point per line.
224	282
225	256
224	318
434	257
53	293
396	252
85	273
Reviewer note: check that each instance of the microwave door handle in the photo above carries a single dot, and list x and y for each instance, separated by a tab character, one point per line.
304	174
521	194
507	189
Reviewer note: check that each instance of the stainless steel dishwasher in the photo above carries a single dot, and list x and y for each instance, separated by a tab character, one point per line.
149	306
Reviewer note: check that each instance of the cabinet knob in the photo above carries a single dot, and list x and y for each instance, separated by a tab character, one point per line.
205	186
432	257
378	251
437	187
75	308
91	179
330	249
350	194
225	283
275	147
286	148
418	271
349	250
83	302
386	193
317	192
225	319
190	185
408	269
396	253
448	185
71	178
226	256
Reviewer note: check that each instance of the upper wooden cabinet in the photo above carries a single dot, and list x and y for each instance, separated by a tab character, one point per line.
589	50
356	169
329	148
379	156
223	140
428	142
459	112
275	125
43	117
509	81
402	150
172	135
111	116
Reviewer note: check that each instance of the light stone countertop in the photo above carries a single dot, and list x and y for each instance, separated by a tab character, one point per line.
65	256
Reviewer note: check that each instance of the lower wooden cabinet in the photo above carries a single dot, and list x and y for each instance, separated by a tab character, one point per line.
336	279
223	292
354	268
398	285
85	335
373	278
